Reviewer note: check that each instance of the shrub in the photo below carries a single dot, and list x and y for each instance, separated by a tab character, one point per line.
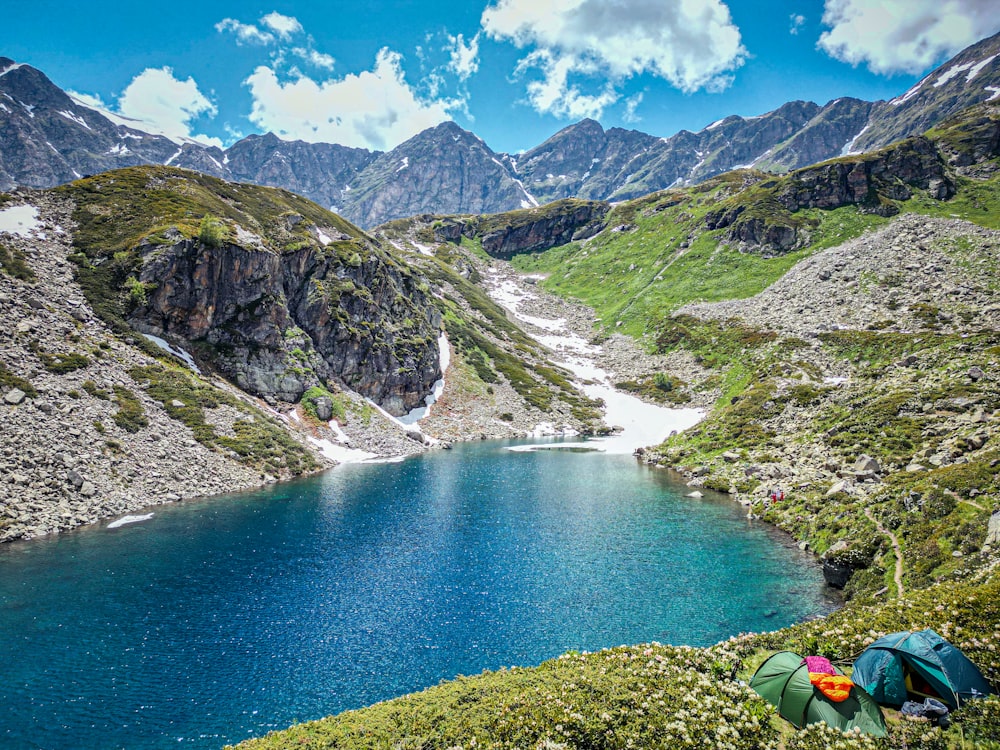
91	387
136	291
212	231
308	402
10	380
130	415
60	364
12	263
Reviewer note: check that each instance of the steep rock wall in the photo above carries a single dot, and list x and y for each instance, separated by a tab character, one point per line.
276	324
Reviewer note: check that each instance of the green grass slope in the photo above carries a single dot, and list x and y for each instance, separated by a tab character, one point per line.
661	252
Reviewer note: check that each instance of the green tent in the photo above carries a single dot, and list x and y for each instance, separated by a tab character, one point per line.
918	664
783	681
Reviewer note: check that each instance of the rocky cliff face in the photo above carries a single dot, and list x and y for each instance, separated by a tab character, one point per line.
276	293
828	133
323	172
274	322
530	230
582	161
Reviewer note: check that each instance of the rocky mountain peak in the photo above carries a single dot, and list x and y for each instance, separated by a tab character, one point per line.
47	139
971	77
444	169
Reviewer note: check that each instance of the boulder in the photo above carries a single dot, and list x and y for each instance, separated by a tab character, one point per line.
14	396
324	408
837	569
836	574
867	464
993	530
730	457
841	486
976	373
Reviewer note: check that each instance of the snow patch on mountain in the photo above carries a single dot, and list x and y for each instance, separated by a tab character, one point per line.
75	118
951	73
848	149
975	69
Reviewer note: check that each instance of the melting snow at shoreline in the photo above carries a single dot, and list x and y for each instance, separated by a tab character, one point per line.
643	424
415	415
129	519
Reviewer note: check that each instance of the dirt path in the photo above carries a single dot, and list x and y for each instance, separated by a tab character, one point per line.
898	574
963	500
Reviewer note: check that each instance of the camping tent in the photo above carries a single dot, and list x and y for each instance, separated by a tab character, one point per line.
783	680
919	663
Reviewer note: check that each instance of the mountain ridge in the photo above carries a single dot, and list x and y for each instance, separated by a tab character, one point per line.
46	138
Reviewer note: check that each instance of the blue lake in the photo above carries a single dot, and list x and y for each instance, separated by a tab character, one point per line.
222	619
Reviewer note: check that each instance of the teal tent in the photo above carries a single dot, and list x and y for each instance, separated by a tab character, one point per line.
918	664
783	681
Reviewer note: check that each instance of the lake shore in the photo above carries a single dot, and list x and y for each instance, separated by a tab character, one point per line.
70	460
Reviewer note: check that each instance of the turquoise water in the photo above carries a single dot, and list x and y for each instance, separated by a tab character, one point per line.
222	619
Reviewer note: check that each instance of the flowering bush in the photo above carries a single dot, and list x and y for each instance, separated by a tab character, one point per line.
822	737
641	697
656	696
980	721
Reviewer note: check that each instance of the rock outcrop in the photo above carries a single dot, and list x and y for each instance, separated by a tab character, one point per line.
764	220
528	230
279	296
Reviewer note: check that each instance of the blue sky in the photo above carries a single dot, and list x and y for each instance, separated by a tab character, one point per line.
371	74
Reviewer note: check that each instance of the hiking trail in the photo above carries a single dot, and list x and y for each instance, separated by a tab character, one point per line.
898	574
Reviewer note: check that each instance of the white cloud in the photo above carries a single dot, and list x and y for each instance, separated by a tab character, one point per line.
904	36
245	33
796	20
283	26
631	105
156	102
692	44
317	59
556	95
464	57
167	103
278	28
373	109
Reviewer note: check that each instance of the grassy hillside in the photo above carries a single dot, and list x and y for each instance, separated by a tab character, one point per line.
660	252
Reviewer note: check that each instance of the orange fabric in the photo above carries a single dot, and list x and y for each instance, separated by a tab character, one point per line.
836	687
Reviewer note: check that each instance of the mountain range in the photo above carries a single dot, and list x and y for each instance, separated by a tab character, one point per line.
48	137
